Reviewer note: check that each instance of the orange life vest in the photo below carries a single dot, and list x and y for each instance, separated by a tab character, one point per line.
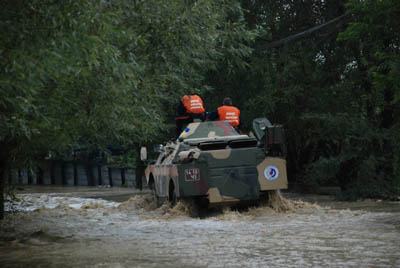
230	114
193	104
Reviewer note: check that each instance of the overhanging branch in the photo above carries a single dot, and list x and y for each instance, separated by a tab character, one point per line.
302	34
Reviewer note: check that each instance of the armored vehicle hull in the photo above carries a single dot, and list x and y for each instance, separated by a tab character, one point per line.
211	161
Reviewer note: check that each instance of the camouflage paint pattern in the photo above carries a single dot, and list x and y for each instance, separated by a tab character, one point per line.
211	160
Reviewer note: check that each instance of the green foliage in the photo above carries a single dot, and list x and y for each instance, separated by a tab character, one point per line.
335	91
62	80
94	73
89	74
356	156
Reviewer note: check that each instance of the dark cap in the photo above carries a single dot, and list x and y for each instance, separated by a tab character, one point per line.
227	101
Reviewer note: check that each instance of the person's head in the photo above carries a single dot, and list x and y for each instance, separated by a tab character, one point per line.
193	91
227	101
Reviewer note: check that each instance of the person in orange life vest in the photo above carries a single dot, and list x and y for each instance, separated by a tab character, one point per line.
227	112
191	106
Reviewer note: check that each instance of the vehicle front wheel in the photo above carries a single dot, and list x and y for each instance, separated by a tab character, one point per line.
172	194
152	187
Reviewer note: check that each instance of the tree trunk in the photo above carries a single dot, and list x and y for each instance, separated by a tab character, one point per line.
99	175
2	172
110	176
139	170
63	176
6	147
75	174
3	168
39	176
89	174
20	179
52	173
123	177
30	179
387	113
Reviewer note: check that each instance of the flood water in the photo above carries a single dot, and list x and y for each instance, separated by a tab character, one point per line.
116	227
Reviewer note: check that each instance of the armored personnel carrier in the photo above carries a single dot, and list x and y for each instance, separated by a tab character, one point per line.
211	162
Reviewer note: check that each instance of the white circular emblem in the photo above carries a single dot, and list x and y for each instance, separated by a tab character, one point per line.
271	173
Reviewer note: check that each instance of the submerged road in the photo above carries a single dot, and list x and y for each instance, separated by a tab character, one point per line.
119	227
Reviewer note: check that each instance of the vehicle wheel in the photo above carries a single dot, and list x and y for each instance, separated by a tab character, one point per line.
152	187
171	194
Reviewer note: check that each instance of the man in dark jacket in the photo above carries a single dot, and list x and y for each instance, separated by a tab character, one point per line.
227	112
190	107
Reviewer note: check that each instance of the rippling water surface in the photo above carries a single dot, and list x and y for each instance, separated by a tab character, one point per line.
72	230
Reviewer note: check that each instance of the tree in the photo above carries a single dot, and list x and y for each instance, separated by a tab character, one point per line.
371	78
282	83
335	90
93	73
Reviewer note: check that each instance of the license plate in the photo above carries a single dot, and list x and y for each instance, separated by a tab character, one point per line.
192	174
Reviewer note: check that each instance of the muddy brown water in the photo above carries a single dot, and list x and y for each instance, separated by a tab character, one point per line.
119	227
